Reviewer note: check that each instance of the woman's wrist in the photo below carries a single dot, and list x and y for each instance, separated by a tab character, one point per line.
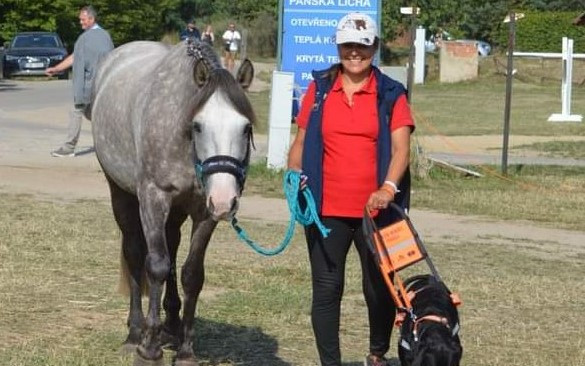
390	186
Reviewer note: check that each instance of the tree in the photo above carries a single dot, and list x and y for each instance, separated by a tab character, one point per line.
42	15
246	9
126	21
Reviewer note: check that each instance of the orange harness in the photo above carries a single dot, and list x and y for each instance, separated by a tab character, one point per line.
396	247
400	316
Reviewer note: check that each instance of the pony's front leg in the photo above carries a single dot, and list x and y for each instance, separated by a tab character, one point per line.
154	211
172	332
192	277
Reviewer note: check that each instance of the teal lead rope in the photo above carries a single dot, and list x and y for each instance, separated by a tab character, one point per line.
291	186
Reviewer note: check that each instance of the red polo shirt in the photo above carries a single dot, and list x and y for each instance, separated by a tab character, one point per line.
350	134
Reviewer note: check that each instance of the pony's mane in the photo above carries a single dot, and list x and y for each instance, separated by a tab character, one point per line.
219	79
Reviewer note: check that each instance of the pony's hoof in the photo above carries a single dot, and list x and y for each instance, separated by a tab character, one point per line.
186	362
169	341
140	361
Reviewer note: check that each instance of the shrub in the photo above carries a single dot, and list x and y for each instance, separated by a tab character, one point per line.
543	31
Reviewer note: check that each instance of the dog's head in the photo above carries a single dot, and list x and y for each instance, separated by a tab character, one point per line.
431	337
437	347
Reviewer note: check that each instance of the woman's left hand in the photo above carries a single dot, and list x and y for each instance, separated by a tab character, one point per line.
380	199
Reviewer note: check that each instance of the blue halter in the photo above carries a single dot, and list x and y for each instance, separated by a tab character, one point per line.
222	164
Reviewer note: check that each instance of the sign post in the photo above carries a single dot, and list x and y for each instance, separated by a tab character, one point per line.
509	78
279	121
566	86
419	63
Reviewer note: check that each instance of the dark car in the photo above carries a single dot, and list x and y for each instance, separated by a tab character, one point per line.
30	53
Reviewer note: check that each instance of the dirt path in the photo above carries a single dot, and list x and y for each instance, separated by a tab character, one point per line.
33	119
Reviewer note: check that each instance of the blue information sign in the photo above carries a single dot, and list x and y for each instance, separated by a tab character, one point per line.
308	39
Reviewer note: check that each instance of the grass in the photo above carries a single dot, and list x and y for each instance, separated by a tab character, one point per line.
525	194
551	196
477	108
59	261
261	104
58	306
556	149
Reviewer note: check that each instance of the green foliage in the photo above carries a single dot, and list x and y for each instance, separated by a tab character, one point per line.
246	9
151	19
543	31
126	21
482	19
42	15
142	21
262	35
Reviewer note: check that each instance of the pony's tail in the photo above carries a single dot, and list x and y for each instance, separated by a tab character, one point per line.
125	278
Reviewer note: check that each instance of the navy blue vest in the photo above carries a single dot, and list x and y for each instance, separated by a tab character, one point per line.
388	91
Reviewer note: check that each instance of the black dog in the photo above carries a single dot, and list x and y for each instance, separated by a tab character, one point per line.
429	336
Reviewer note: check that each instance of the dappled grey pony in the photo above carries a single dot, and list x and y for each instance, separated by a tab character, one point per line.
172	131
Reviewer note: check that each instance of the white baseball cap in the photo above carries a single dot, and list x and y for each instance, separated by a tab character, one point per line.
356	28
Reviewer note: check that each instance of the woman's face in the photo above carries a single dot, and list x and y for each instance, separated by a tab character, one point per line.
356	58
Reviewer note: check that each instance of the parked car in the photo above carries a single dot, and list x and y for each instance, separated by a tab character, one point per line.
483	48
30	53
434	43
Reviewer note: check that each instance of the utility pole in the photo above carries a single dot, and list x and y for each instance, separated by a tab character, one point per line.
509	79
410	77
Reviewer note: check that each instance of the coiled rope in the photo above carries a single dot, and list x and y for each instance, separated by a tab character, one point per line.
306	216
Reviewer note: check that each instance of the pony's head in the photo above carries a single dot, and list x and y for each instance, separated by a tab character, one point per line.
222	134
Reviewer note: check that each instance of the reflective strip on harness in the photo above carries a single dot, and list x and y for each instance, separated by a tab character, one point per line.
404	344
398	247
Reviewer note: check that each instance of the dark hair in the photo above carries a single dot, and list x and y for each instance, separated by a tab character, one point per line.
90	10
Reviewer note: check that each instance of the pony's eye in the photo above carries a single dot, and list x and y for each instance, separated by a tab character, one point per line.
197	127
247	129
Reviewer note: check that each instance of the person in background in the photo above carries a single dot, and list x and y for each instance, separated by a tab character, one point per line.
208	36
190	31
353	147
90	47
231	38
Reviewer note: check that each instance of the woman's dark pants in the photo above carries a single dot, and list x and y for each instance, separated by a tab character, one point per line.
328	257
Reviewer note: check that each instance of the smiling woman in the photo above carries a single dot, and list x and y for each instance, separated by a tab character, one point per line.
30	53
353	144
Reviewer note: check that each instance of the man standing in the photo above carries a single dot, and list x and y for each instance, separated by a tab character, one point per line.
91	46
190	32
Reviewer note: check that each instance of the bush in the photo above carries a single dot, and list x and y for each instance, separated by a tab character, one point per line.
543	32
262	35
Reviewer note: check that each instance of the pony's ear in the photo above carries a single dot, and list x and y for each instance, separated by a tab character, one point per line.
201	73
245	74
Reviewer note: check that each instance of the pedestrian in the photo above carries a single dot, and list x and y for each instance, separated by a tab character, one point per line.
190	31
90	47
353	146
231	38
208	35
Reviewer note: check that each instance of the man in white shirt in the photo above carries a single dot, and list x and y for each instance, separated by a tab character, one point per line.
231	39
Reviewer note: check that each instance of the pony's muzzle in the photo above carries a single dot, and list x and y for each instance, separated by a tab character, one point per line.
223	195
223	211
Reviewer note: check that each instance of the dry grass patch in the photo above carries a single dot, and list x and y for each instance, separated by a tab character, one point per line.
58	304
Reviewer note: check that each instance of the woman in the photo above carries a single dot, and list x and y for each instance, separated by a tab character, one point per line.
231	38
208	36
353	144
